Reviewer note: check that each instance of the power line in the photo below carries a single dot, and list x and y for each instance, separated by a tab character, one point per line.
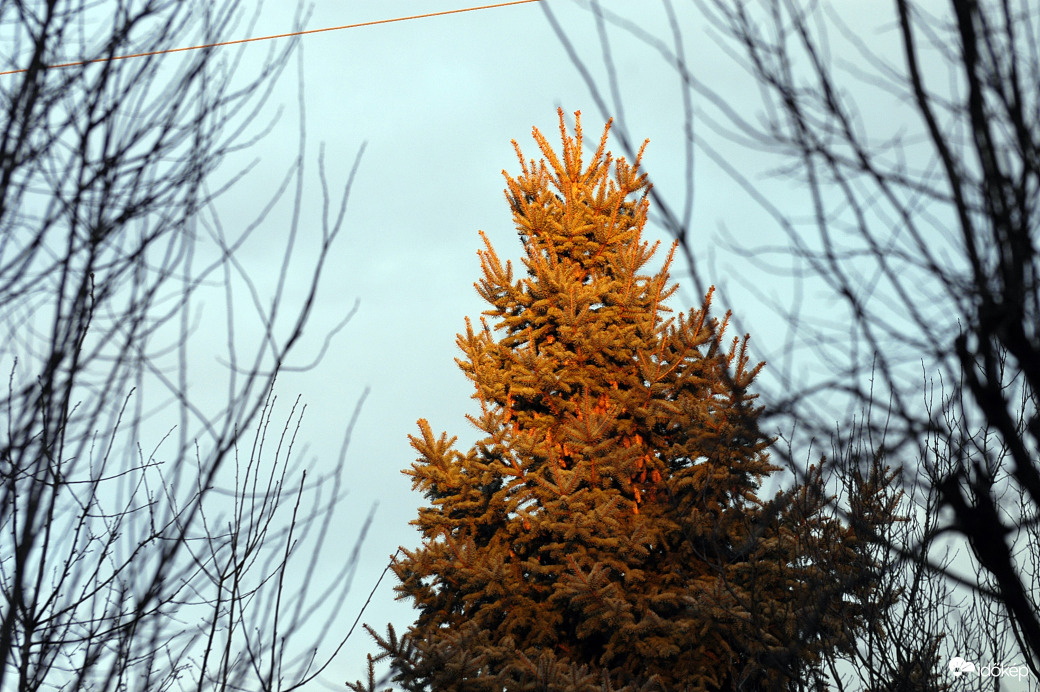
267	38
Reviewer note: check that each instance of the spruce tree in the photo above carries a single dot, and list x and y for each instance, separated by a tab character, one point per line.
605	532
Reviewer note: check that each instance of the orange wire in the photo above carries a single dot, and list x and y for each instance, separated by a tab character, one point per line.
265	38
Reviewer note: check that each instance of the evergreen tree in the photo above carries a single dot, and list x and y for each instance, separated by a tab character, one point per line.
605	532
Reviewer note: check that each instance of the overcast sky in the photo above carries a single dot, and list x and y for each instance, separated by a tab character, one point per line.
437	102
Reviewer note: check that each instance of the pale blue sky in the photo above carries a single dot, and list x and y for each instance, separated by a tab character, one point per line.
436	102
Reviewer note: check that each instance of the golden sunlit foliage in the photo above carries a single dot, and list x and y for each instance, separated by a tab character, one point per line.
606	530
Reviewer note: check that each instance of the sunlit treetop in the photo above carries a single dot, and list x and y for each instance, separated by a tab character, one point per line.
606	525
